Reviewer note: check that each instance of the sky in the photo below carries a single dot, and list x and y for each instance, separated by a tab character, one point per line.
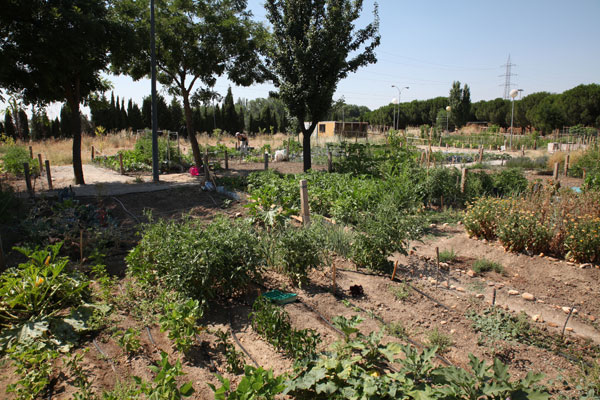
428	44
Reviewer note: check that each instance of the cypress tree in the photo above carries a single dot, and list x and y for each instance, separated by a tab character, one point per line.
23	124
9	126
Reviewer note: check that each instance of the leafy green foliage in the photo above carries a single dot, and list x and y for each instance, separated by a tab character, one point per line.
13	159
180	319
496	324
297	251
509	181
447	255
485	265
203	262
401	292
80	379
257	383
235	359
33	365
396	329
164	384
358	368
129	340
439	340
273	323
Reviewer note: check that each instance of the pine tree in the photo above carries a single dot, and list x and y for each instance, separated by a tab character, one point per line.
9	126
55	128
65	121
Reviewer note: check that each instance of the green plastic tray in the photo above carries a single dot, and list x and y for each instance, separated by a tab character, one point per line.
279	297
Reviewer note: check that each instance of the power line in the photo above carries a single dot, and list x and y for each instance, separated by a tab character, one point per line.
507	75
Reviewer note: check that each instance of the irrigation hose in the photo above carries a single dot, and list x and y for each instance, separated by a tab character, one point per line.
112	365
234	336
150	337
125	209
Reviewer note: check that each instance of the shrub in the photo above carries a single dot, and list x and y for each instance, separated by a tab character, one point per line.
588	161
203	262
447	255
441	183
582	242
592	180
297	250
524	230
481	218
509	181
440	340
14	158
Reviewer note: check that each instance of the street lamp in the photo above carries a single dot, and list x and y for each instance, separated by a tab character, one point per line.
513	94
448	109
399	95
394	102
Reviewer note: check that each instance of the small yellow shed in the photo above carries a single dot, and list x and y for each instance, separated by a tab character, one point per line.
344	129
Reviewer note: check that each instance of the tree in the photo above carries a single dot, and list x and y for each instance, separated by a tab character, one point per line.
196	41
23	124
460	101
55	51
9	126
315	45
230	118
134	115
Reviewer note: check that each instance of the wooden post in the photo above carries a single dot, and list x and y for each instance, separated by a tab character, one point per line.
395	269
437	259
48	175
41	164
463	180
31	152
93	153
567	157
494	298
329	162
522	150
206	170
333	279
28	179
121	164
480	154
555	174
567	321
304	207
422	158
226	161
535	144
266	160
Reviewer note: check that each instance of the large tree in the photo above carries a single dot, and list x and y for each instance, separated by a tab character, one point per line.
315	45
54	50
460	101
196	42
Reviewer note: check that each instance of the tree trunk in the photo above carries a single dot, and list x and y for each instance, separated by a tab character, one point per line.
73	102
189	124
306	134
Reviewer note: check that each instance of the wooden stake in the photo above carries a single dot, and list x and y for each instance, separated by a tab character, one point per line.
226	161
463	180
81	245
555	174
437	260
48	175
93	153
567	321
305	211
329	162
40	163
266	160
522	150
395	269
31	152
121	164
567	157
494	298
28	179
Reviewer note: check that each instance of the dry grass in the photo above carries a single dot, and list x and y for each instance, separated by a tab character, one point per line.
559	157
59	151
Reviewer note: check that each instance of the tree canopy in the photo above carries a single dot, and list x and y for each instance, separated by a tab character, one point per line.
315	44
196	42
54	51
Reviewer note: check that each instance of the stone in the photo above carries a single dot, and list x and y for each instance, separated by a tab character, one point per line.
528	296
541	254
513	292
536	318
238	215
490	284
443	322
444	265
471	273
592	318
540	301
445	224
584	266
432	225
452	287
566	310
444	284
460	289
500	285
480	295
568	328
452	331
459	223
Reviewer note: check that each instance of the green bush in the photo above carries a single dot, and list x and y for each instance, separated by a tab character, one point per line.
485	265
588	162
481	219
297	251
509	181
522	230
203	262
582	241
592	180
14	158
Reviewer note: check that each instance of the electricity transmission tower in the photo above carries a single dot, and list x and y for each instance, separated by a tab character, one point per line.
507	75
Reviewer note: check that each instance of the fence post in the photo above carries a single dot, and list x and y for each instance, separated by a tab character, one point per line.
48	175
567	157
266	160
305	211
93	153
555	174
121	164
28	179
463	180
226	161
40	163
30	152
329	161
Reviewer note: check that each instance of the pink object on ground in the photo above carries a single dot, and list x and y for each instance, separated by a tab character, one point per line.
194	171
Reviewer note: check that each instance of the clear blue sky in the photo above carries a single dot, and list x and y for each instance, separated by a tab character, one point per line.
427	44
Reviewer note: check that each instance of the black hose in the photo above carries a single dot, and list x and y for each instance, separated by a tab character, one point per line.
234	336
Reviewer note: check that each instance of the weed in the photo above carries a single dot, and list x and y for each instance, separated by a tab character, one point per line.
33	365
257	383
439	340
129	340
122	391
401	291
164	385
235	359
80	379
448	256
484	265
396	329
181	320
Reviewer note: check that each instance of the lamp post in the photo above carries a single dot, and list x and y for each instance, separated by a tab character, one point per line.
399	95
394	102
448	109
513	94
